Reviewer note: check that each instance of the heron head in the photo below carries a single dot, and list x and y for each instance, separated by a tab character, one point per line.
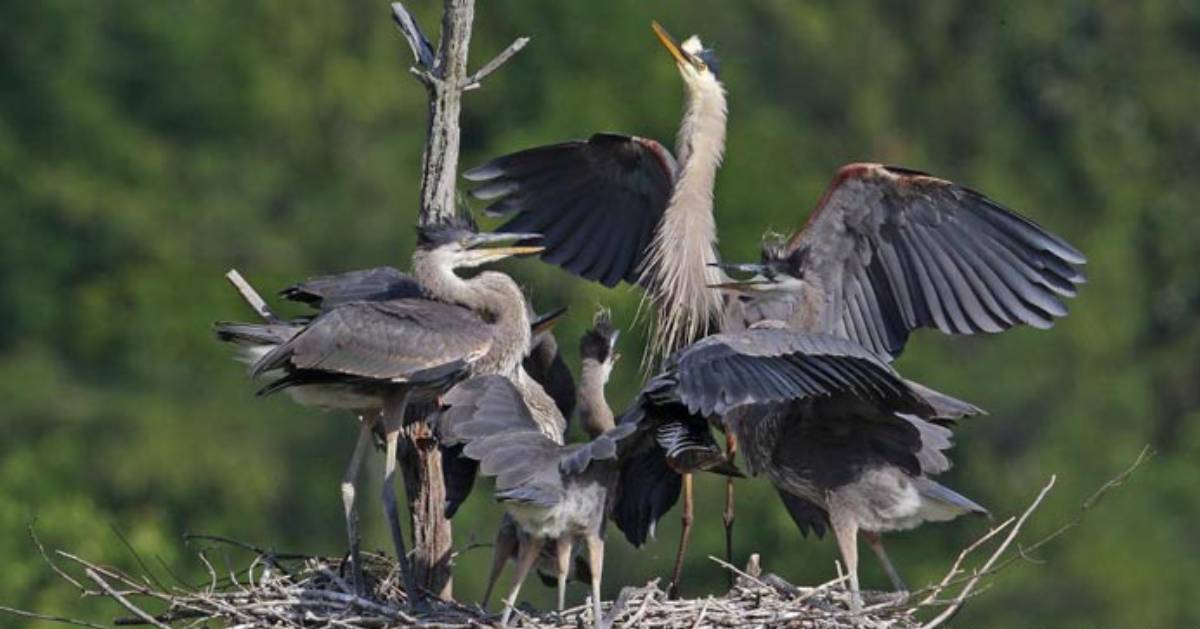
457	244
697	65
600	342
775	272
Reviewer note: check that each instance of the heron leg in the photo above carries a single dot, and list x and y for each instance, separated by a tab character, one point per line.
875	541
684	535
731	453
504	547
349	491
846	531
393	420
595	548
525	560
563	552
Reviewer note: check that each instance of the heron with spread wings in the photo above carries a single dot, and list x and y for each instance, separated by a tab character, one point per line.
887	250
848	444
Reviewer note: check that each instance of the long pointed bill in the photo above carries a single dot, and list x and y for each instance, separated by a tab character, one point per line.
741	267
490	238
758	283
497	253
544	322
670	44
744	286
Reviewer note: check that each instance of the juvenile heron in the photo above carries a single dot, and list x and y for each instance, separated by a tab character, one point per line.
886	251
555	494
598	355
844	439
376	357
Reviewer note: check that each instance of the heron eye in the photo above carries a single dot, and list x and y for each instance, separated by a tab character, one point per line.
701	66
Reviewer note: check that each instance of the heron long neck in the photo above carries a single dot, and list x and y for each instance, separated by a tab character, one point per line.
541	406
677	271
595	415
496	298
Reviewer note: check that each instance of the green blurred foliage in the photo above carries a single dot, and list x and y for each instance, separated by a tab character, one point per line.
145	148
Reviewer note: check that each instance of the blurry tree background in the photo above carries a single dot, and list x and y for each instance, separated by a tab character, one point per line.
147	147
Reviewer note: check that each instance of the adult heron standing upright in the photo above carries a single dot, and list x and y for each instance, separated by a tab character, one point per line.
376	356
886	251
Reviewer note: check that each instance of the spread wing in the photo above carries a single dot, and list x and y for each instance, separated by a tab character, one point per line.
777	366
383	340
890	250
489	416
746	380
595	202
377	284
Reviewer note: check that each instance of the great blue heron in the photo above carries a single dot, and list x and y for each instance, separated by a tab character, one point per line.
375	357
545	366
886	251
598	355
839	433
554	493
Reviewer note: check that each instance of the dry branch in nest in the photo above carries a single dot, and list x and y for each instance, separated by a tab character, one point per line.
252	587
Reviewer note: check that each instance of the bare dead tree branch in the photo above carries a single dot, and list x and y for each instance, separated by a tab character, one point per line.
476	80
63	620
116	596
444	75
421	48
1012	535
251	296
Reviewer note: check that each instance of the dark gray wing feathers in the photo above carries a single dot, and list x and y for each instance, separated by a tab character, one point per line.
595	202
489	416
893	250
376	284
771	366
391	340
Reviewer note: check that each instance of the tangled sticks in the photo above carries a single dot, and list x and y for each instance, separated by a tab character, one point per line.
289	590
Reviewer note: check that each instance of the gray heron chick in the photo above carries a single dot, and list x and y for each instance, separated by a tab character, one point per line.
555	494
843	438
545	366
598	355
375	357
886	251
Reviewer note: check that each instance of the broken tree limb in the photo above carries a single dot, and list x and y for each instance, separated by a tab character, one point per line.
251	296
444	75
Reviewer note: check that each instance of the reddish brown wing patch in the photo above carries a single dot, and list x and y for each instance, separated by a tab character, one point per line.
857	170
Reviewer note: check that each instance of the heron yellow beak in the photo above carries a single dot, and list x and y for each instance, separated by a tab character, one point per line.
670	44
546	322
506	252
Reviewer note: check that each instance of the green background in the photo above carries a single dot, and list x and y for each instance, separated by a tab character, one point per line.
147	147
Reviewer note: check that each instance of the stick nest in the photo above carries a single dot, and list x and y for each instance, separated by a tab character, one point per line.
254	587
293	591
